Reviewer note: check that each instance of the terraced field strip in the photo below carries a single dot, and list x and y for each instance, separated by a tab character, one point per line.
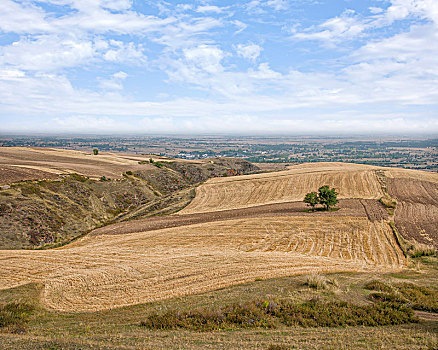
398	173
352	181
109	271
347	207
56	161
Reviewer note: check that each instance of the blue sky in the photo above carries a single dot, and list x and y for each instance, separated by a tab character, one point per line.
246	67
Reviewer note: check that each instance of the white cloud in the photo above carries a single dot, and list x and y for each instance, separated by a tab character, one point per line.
11	74
375	10
209	8
249	51
395	71
22	18
349	25
46	53
346	26
401	9
115	82
205	58
125	53
278	4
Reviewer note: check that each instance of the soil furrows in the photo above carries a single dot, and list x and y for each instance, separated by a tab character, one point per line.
416	214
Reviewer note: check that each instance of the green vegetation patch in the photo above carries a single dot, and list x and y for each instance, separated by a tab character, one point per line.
248	315
418	297
340	314
270	314
78	177
15	314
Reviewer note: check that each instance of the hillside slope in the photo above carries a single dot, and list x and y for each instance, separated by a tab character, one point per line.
236	229
416	192
59	207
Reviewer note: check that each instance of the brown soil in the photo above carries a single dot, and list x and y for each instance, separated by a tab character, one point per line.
416	215
348	207
10	174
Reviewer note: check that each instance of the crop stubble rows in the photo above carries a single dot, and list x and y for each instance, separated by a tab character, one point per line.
144	264
286	186
104	271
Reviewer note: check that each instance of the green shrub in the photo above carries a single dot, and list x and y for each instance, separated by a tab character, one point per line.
95	151
419	249
29	189
418	297
13	314
388	297
340	314
388	202
158	164
269	314
234	316
316	281
78	177
277	347
421	298
379	286
129	172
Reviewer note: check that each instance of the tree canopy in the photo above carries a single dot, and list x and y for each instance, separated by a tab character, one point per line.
326	196
311	199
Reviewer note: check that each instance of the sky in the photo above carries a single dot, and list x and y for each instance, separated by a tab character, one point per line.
219	67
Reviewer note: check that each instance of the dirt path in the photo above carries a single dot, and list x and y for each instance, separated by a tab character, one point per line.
428	316
347	207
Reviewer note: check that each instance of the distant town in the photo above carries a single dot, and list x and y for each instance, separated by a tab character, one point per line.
421	154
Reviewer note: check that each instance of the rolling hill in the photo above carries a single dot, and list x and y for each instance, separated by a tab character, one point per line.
236	229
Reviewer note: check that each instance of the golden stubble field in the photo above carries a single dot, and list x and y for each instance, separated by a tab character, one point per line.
350	180
108	271
25	163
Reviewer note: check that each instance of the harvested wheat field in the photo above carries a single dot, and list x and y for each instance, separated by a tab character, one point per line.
46	163
351	180
107	271
236	229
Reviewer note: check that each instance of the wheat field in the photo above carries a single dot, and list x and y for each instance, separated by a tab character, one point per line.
43	161
350	180
107	271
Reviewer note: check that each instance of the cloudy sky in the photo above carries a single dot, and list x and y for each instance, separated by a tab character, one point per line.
243	67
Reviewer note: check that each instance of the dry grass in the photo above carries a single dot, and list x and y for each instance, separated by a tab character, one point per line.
118	328
351	180
110	271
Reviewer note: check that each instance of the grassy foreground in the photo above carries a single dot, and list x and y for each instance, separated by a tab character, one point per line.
122	329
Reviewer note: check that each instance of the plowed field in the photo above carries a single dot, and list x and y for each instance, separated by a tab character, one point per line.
106	271
416	215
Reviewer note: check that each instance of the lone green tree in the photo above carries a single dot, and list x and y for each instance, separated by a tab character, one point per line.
327	197
311	199
95	151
